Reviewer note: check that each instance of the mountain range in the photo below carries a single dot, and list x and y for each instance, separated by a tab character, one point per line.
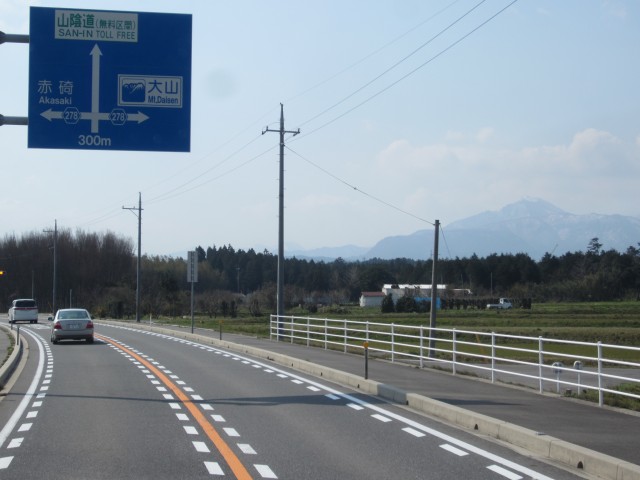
532	226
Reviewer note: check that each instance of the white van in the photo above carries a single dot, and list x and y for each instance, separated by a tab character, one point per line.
23	310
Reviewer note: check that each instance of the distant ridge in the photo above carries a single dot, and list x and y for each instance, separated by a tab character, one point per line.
532	226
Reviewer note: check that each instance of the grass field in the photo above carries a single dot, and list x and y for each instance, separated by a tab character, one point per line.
609	322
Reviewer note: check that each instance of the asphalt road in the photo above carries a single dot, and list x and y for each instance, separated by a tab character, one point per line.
143	405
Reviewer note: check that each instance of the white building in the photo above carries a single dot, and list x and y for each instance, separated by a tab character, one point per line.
371	299
419	291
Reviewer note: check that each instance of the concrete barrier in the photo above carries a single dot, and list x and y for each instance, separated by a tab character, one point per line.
10	365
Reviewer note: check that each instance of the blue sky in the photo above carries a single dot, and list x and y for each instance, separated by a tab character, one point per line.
541	101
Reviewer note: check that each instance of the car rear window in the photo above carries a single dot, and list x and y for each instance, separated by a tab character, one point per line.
26	304
75	315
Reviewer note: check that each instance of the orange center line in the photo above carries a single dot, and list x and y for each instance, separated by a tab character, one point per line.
227	453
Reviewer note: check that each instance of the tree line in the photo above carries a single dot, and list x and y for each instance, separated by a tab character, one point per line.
98	271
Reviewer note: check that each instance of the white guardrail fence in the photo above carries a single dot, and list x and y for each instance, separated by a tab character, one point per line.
563	366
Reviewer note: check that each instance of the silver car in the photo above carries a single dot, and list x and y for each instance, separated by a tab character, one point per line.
71	324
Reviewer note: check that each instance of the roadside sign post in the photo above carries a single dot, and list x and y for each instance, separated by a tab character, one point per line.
557	369
107	80
365	346
192	277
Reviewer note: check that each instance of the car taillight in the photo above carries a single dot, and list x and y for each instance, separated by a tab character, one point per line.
89	324
57	326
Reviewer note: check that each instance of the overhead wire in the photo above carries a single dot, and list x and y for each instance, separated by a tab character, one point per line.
371	54
396	64
115	211
214	167
203	183
353	187
174	192
407	75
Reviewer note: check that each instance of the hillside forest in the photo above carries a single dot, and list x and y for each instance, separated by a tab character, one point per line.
98	271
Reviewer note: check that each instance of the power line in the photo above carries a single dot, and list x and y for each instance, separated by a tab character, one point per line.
168	194
174	192
439	54
353	187
406	57
165	196
366	57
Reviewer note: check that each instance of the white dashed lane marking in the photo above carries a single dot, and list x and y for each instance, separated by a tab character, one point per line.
504	472
15	443
214	468
454	450
414	432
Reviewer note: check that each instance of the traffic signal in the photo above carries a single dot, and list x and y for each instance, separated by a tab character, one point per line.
1	272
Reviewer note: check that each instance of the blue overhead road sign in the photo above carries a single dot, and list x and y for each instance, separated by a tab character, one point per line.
109	80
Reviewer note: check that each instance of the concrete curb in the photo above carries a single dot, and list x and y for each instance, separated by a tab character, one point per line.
551	448
12	362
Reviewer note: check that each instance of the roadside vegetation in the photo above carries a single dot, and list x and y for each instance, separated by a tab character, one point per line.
98	271
590	296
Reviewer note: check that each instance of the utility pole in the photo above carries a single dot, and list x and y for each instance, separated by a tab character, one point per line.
280	287
55	264
434	291
139	215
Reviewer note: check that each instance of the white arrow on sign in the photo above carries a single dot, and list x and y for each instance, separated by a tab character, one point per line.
95	86
57	115
72	115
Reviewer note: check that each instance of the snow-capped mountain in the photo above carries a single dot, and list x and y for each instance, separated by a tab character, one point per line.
532	226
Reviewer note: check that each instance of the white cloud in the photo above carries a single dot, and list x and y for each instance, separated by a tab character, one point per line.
459	178
615	8
484	134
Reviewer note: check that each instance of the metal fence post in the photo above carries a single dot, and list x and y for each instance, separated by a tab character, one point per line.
540	363
600	392
421	346
308	331
493	357
291	330
345	336
455	351
393	343
326	333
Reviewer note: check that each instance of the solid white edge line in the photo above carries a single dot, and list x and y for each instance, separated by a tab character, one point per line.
13	421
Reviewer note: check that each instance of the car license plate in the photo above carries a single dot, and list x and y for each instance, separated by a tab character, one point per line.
74	326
